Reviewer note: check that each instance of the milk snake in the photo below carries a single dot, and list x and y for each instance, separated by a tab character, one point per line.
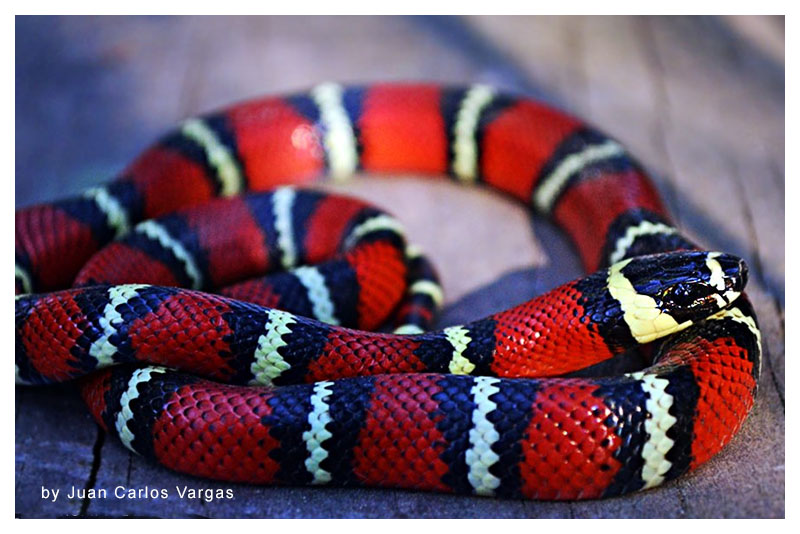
476	408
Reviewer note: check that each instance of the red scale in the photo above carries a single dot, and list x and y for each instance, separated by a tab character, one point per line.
185	333
564	415
275	143
234	235
385	455
351	353
190	434
518	143
402	128
545	327
56	243
53	359
188	183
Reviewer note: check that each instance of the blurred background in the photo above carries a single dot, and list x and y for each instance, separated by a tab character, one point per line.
699	100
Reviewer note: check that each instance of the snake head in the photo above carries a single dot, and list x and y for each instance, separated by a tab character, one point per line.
663	293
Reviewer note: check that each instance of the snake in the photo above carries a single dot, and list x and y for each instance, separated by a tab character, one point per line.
228	319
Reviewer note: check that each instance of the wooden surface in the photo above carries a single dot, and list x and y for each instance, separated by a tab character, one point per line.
696	99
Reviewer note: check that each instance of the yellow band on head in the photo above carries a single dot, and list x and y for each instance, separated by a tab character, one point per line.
641	312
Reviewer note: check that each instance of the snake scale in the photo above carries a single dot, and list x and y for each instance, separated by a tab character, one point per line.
170	304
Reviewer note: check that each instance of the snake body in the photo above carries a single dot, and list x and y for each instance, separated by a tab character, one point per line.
472	408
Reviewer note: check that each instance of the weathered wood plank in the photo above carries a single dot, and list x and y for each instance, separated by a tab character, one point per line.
54	438
91	94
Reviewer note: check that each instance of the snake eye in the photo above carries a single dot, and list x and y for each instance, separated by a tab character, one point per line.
687	295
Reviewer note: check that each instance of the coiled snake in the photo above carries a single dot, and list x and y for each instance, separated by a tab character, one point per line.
476	408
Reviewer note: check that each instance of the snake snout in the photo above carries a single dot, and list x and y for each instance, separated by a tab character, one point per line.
735	272
705	287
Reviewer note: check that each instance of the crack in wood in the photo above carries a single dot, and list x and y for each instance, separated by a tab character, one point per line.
97	451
